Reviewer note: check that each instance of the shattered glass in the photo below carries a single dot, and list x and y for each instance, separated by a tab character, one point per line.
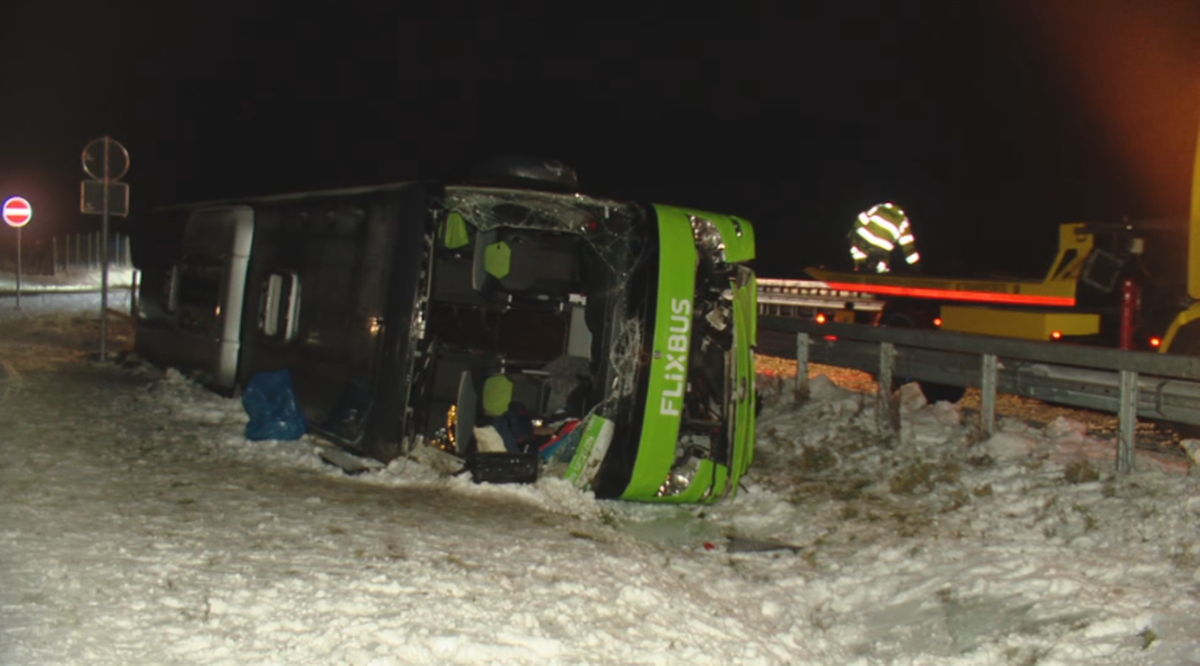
608	226
625	357
613	231
612	249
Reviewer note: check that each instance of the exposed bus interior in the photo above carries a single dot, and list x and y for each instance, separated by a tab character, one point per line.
518	310
547	302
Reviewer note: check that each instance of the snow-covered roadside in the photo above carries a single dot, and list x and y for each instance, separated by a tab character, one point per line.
1025	548
137	526
75	280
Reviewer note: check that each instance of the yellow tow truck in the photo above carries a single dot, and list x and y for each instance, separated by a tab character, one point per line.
1128	285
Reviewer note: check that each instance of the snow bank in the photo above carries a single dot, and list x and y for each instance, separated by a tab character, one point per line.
137	526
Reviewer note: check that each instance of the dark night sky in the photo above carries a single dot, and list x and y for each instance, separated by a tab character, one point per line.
990	122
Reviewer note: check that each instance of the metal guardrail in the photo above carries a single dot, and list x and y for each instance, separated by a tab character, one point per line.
1128	383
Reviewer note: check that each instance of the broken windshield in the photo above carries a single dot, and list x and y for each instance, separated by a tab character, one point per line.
612	229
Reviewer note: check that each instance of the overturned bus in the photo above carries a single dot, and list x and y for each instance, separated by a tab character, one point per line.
426	313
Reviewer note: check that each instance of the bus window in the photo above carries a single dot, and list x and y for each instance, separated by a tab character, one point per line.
279	306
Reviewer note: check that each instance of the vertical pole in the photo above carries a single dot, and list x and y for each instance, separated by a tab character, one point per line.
889	410
1127	418
128	252
54	256
801	366
987	414
1130	304
104	260
133	293
18	268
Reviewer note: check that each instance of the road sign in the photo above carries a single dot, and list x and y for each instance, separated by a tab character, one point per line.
17	212
94	155
105	160
91	198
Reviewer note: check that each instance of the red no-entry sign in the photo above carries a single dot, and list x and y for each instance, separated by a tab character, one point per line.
17	211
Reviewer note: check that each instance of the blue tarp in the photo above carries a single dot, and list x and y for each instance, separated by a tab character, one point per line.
270	400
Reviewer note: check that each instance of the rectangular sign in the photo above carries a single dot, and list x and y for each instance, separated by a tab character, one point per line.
91	198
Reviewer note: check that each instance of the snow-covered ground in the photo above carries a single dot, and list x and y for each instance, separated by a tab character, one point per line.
138	526
80	279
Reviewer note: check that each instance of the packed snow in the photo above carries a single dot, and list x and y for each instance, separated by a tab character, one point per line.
139	526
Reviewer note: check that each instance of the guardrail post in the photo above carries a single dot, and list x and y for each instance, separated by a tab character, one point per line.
801	392
133	293
987	412
889	408
1127	415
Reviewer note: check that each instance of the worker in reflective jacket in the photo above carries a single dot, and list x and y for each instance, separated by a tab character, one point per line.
878	233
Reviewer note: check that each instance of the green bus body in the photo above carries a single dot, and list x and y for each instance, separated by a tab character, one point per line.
668	376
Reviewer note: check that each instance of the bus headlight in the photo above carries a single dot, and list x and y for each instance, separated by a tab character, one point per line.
708	238
680	478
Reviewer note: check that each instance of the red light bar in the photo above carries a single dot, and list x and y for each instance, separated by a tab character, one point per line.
956	294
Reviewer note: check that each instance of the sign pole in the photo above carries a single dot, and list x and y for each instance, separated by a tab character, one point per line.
116	163
18	268
16	213
104	259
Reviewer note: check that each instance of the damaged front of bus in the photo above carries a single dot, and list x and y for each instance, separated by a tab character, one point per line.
622	333
694	424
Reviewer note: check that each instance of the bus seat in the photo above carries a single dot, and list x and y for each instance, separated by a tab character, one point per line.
519	264
455	232
466	406
497	395
529	388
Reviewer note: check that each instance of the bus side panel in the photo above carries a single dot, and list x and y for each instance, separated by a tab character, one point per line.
192	311
157	244
320	259
390	430
338	258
